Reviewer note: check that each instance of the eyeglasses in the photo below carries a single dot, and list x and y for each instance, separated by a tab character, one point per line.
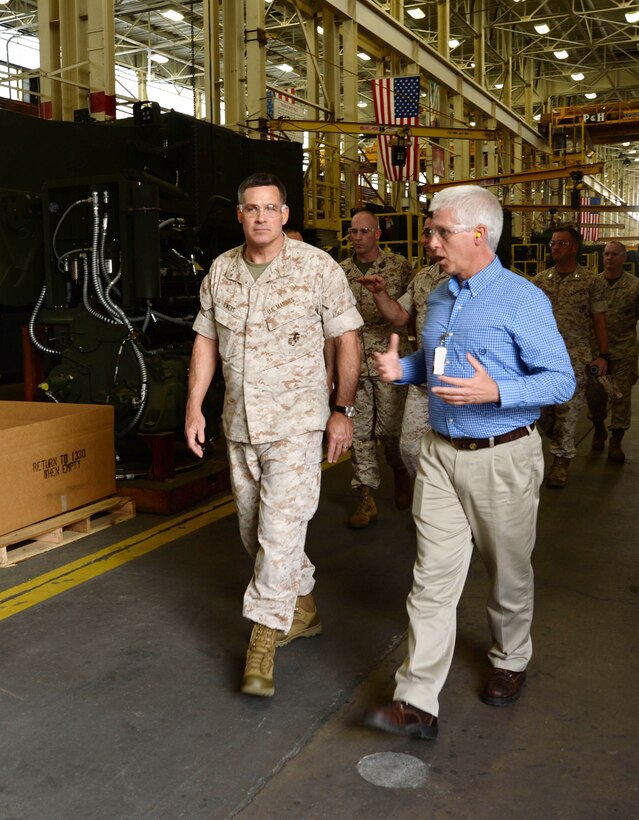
363	231
445	233
253	211
558	243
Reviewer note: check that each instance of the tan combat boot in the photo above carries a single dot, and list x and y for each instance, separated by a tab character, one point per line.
599	437
615	453
403	489
260	659
306	624
366	511
557	476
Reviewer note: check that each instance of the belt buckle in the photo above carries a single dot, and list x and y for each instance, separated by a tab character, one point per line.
473	445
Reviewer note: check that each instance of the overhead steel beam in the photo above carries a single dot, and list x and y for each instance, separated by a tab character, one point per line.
595	209
383	28
555	172
337	127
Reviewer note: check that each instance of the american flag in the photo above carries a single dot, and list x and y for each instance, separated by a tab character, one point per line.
590	219
396	101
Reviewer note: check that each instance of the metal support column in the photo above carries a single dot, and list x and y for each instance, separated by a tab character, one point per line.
233	50
212	79
350	110
255	63
101	56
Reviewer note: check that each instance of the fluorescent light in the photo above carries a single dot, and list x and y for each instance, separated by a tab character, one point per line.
284	67
159	58
362	104
626	144
453	43
542	28
577	76
632	16
499	85
171	14
416	14
590	95
363	56
561	55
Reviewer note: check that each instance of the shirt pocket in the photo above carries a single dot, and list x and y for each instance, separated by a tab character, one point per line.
230	328
293	332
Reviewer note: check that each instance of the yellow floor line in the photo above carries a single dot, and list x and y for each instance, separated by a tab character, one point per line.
39	589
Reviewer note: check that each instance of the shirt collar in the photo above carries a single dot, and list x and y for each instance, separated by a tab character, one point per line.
479	281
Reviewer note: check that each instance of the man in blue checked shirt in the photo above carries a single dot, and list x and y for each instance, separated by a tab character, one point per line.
492	357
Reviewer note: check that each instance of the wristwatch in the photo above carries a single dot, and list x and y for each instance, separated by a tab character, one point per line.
348	410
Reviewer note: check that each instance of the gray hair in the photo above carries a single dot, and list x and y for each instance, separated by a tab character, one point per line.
472	205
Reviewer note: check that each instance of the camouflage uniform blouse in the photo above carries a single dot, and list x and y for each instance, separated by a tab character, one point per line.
375	333
271	338
574	298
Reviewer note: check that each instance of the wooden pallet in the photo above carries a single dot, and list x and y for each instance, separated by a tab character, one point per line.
62	529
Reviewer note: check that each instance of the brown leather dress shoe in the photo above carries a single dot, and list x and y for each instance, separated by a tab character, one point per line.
400	718
504	687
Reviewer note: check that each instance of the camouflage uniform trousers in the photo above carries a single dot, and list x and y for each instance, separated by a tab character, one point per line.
276	487
624	375
559	421
414	425
379	409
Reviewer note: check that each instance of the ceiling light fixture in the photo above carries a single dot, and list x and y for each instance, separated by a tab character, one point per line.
536	117
320	30
416	14
363	56
362	104
542	28
632	16
499	85
590	95
284	67
159	58
472	123
561	55
453	43
577	76
171	14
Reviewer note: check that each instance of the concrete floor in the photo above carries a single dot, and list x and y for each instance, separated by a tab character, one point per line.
119	696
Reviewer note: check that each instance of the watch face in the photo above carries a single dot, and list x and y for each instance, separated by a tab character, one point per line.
349	412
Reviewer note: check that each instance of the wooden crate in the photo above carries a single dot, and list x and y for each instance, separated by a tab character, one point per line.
62	529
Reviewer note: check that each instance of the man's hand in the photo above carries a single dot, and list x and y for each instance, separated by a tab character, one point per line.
374	283
601	365
194	427
388	364
480	389
339	434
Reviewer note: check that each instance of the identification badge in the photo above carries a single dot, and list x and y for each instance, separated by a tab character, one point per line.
439	361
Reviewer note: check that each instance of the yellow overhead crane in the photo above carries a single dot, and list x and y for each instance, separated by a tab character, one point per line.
374	130
552	172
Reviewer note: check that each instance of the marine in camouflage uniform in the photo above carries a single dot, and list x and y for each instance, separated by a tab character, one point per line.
415	418
266	308
379	407
579	304
622	291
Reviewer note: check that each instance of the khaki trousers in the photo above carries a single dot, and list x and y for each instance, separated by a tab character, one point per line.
276	488
488	496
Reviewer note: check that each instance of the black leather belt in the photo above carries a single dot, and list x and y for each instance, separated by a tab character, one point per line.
481	443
